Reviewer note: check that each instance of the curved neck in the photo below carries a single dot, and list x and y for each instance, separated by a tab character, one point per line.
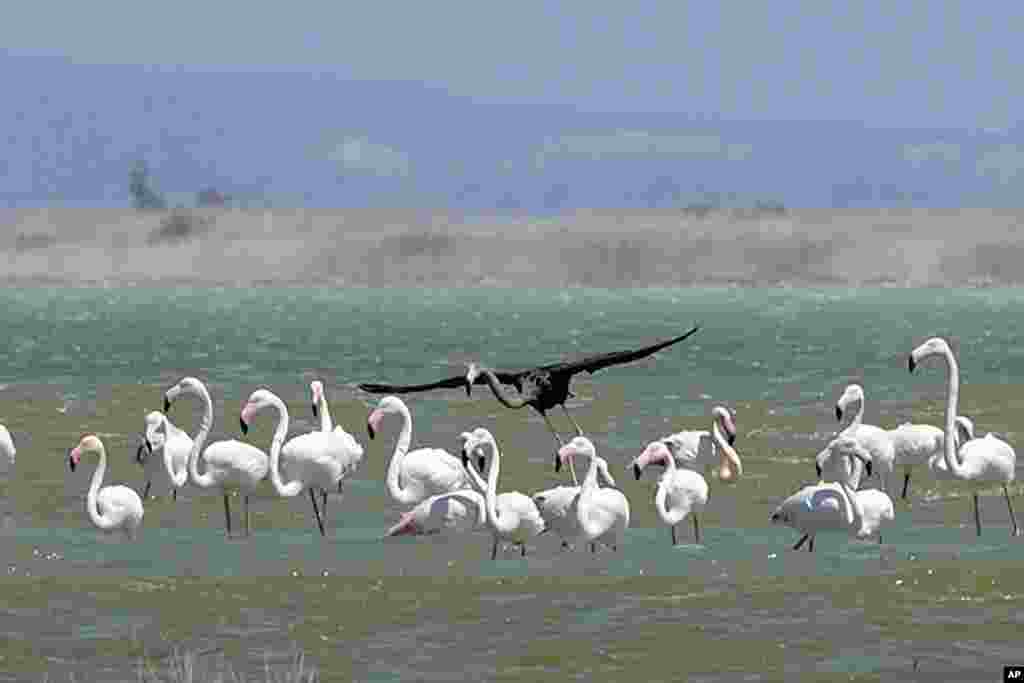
500	526
407	495
952	398
858	416
730	468
326	424
178	479
854	510
204	480
667	515
292	488
94	489
500	393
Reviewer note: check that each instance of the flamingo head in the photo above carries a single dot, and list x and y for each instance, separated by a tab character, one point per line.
317	387
936	346
190	385
90	443
472	372
258	400
580	445
473	442
853	394
153	438
656	453
725	419
388	404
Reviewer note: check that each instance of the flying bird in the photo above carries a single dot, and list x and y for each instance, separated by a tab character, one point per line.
542	388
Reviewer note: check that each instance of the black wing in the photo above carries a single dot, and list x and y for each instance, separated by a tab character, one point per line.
456	382
603	360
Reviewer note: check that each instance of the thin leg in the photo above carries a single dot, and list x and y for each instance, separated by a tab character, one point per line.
494	549
579	432
906	483
810	546
247	527
572	470
522	549
565	545
1013	517
801	541
145	493
977	515
593	547
323	504
879	539
696	528
316	512
174	495
673	527
227	514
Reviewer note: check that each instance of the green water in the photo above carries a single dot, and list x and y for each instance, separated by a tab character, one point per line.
438	608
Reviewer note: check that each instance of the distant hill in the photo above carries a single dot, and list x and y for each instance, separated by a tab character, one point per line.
69	133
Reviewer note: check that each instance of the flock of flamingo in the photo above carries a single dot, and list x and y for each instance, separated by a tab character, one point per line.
451	494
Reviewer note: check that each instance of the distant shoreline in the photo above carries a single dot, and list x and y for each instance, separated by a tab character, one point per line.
604	249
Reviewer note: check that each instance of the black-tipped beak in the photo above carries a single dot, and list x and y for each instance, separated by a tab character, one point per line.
867	467
817	468
339	487
465	457
138	453
839	413
71	463
315	411
910	363
243	425
167	404
731	439
558	463
636	471
480	462
370	431
774	517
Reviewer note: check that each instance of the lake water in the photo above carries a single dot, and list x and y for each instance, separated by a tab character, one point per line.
740	606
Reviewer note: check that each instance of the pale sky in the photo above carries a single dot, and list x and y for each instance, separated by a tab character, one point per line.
913	63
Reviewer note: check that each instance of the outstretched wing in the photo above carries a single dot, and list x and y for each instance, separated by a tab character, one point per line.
603	360
456	382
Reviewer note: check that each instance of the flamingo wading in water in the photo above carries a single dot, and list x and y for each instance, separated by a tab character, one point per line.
602	513
230	465
980	463
110	508
345	448
174	446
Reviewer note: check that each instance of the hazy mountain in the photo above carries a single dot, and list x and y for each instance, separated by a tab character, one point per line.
70	132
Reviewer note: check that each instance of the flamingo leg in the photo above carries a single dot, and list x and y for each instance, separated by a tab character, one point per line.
227	514
1013	517
593	547
494	549
673	527
247	527
810	546
145	493
174	495
579	432
696	528
906	483
323	503
522	549
316	512
801	541
977	515
558	439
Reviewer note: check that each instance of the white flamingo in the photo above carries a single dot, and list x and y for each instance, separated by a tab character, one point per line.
311	455
230	465
457	511
7	450
603	513
110	508
980	463
875	440
425	471
917	445
512	516
681	492
555	505
699	450
174	446
344	447
827	507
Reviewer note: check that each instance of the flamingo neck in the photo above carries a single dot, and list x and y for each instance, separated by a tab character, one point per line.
500	393
500	526
326	424
407	495
857	417
91	503
178	479
955	467
588	491
730	468
204	480
854	509
292	488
